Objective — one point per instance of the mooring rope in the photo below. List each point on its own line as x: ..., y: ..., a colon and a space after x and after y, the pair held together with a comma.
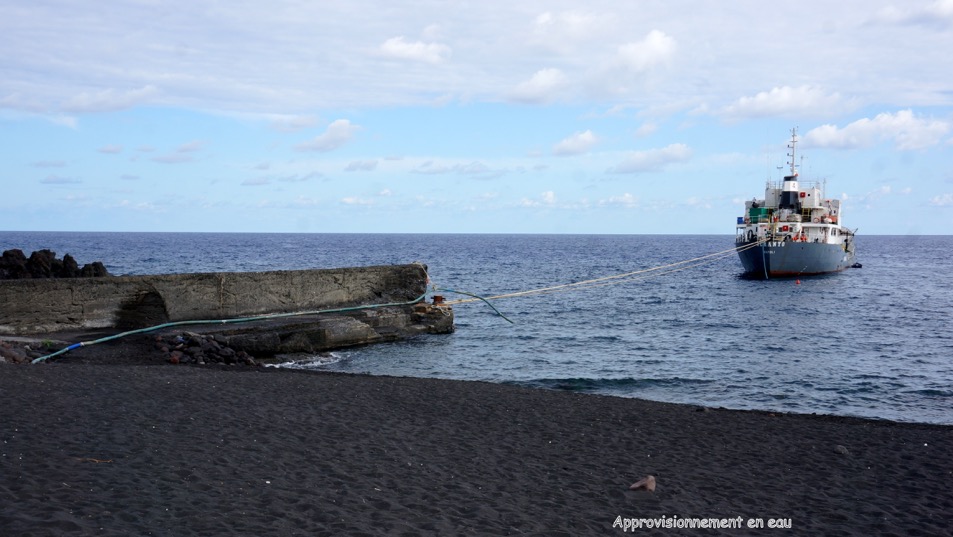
x: 595, y: 282
x: 610, y: 280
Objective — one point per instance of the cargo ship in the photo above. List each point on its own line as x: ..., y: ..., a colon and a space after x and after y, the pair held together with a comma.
x: 795, y: 230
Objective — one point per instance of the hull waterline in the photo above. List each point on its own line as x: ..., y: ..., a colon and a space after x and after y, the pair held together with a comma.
x: 781, y: 259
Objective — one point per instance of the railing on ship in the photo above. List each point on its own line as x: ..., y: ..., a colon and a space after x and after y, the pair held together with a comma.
x: 806, y: 217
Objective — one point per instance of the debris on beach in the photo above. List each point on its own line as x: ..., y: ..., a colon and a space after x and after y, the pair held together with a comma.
x: 646, y: 483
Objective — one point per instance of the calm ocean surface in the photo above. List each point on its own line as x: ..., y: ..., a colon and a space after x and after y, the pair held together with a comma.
x: 874, y: 342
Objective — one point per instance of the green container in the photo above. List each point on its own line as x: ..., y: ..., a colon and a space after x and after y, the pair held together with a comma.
x: 759, y: 215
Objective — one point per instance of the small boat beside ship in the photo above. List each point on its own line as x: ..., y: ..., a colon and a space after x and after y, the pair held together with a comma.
x: 795, y: 230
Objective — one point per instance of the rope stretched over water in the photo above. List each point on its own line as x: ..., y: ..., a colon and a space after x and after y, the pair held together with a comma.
x: 222, y: 321
x: 614, y: 279
x: 595, y: 282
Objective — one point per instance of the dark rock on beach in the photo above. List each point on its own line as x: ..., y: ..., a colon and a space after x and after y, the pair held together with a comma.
x: 16, y: 353
x: 200, y: 349
x: 14, y: 265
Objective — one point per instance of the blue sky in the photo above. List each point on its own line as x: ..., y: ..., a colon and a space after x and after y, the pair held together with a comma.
x: 496, y: 117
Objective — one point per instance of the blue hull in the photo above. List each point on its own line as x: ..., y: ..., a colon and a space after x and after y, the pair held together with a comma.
x: 787, y: 259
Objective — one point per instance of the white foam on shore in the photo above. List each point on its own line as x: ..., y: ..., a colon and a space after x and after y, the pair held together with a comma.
x: 306, y: 360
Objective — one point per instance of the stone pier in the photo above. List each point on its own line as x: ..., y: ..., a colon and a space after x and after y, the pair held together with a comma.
x: 54, y: 306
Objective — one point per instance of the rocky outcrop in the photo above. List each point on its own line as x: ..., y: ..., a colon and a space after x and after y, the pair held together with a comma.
x: 14, y: 265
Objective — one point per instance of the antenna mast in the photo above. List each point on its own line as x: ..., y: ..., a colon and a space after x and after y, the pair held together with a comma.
x: 792, y: 146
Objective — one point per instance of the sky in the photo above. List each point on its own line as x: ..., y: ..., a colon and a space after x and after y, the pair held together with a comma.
x: 425, y: 116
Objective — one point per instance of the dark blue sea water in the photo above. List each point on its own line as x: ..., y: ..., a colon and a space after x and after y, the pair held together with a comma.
x: 874, y: 342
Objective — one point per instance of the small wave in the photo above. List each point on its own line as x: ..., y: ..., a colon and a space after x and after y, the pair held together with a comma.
x: 606, y: 385
x: 609, y: 339
x: 306, y: 361
x: 932, y: 392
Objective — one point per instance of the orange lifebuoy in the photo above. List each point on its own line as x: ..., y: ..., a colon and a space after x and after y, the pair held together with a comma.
x: 816, y: 220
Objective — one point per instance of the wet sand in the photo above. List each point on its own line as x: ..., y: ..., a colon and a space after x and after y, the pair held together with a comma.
x: 96, y: 447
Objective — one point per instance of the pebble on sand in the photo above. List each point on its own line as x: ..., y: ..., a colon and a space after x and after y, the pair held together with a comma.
x: 646, y: 483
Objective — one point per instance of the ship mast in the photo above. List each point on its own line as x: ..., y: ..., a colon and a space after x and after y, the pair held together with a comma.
x: 789, y: 188
x: 793, y: 147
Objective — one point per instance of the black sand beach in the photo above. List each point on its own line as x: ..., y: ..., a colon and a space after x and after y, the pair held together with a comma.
x: 107, y: 442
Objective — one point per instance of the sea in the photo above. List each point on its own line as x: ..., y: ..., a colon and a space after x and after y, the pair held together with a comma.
x: 665, y: 317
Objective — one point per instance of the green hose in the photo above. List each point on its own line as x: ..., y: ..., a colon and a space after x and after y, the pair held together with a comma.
x: 479, y: 297
x: 224, y: 321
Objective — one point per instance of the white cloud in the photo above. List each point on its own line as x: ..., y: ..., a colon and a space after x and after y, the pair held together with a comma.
x: 338, y: 133
x: 361, y: 165
x: 786, y: 102
x: 108, y: 100
x: 904, y: 129
x: 65, y: 121
x: 191, y: 147
x: 562, y: 31
x: 111, y: 149
x: 49, y: 164
x: 292, y: 123
x: 937, y: 14
x: 653, y: 159
x: 474, y: 168
x: 142, y: 206
x: 543, y: 87
x: 300, y: 178
x: 289, y: 57
x: 353, y: 200
x: 305, y: 202
x: 181, y: 154
x: 656, y: 49
x: 576, y: 144
x: 547, y: 199
x: 943, y: 200
x: 698, y: 203
x: 625, y: 200
x: 173, y: 158
x: 399, y: 48
x: 880, y: 192
x: 646, y: 129
x: 59, y: 180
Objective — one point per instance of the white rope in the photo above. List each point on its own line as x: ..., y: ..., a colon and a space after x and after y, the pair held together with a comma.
x: 621, y: 278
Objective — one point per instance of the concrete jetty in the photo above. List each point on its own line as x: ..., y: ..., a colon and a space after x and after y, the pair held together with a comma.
x: 48, y: 306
